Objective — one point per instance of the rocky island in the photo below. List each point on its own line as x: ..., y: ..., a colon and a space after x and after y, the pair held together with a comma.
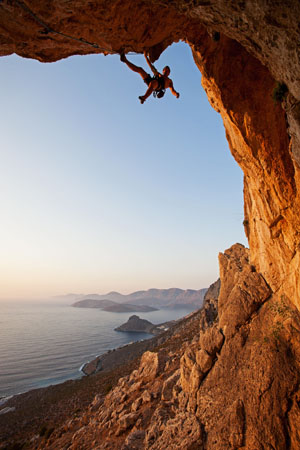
x: 137, y: 325
x: 111, y: 306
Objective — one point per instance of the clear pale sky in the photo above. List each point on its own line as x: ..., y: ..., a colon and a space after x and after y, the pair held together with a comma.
x: 101, y: 193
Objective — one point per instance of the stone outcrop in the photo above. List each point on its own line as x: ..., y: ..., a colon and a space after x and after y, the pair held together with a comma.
x: 242, y: 49
x: 234, y: 384
x: 138, y: 325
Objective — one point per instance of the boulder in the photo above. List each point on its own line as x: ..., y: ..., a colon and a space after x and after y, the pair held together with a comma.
x: 211, y: 340
x: 204, y: 360
x: 126, y: 421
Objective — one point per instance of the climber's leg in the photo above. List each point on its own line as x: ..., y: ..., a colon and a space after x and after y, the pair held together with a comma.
x: 133, y: 67
x: 151, y: 87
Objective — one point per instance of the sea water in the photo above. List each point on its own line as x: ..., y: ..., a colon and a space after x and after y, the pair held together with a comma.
x: 46, y: 343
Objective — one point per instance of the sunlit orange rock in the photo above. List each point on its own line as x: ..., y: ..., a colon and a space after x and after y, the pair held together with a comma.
x: 235, y: 387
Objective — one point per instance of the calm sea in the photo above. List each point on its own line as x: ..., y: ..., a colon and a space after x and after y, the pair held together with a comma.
x: 43, y: 344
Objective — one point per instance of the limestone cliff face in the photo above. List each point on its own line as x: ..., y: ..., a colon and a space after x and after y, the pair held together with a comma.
x: 241, y: 89
x: 233, y: 385
x: 259, y: 43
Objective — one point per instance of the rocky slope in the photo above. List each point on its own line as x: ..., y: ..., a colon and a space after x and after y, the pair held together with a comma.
x: 233, y: 384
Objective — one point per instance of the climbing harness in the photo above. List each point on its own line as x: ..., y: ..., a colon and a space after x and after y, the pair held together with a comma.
x: 159, y: 93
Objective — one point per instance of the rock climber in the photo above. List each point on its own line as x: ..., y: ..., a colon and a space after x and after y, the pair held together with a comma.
x: 157, y: 84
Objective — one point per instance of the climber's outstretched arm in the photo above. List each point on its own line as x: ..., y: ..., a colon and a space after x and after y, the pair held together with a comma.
x: 150, y: 64
x: 173, y: 90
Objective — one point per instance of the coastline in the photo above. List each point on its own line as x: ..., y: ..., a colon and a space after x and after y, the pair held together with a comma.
x: 102, y: 362
x: 4, y: 400
x: 110, y: 362
x: 41, y: 358
x: 116, y: 357
x: 53, y: 404
x: 127, y: 352
x: 25, y: 410
x: 106, y: 361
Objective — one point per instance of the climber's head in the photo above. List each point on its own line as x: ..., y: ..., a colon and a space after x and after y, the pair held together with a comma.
x: 166, y: 71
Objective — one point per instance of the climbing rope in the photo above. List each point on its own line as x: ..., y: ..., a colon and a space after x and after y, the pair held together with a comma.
x: 47, y: 29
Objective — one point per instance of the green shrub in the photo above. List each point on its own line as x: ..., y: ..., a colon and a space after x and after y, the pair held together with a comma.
x: 279, y: 92
x: 216, y: 36
x: 15, y: 446
x: 46, y: 432
x: 49, y: 432
x: 107, y: 388
x: 281, y: 308
x: 43, y: 430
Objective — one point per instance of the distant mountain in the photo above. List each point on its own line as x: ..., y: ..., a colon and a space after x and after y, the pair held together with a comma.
x: 157, y: 298
x: 92, y: 303
x: 113, y: 296
x: 109, y: 305
x: 168, y: 297
x: 127, y: 307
